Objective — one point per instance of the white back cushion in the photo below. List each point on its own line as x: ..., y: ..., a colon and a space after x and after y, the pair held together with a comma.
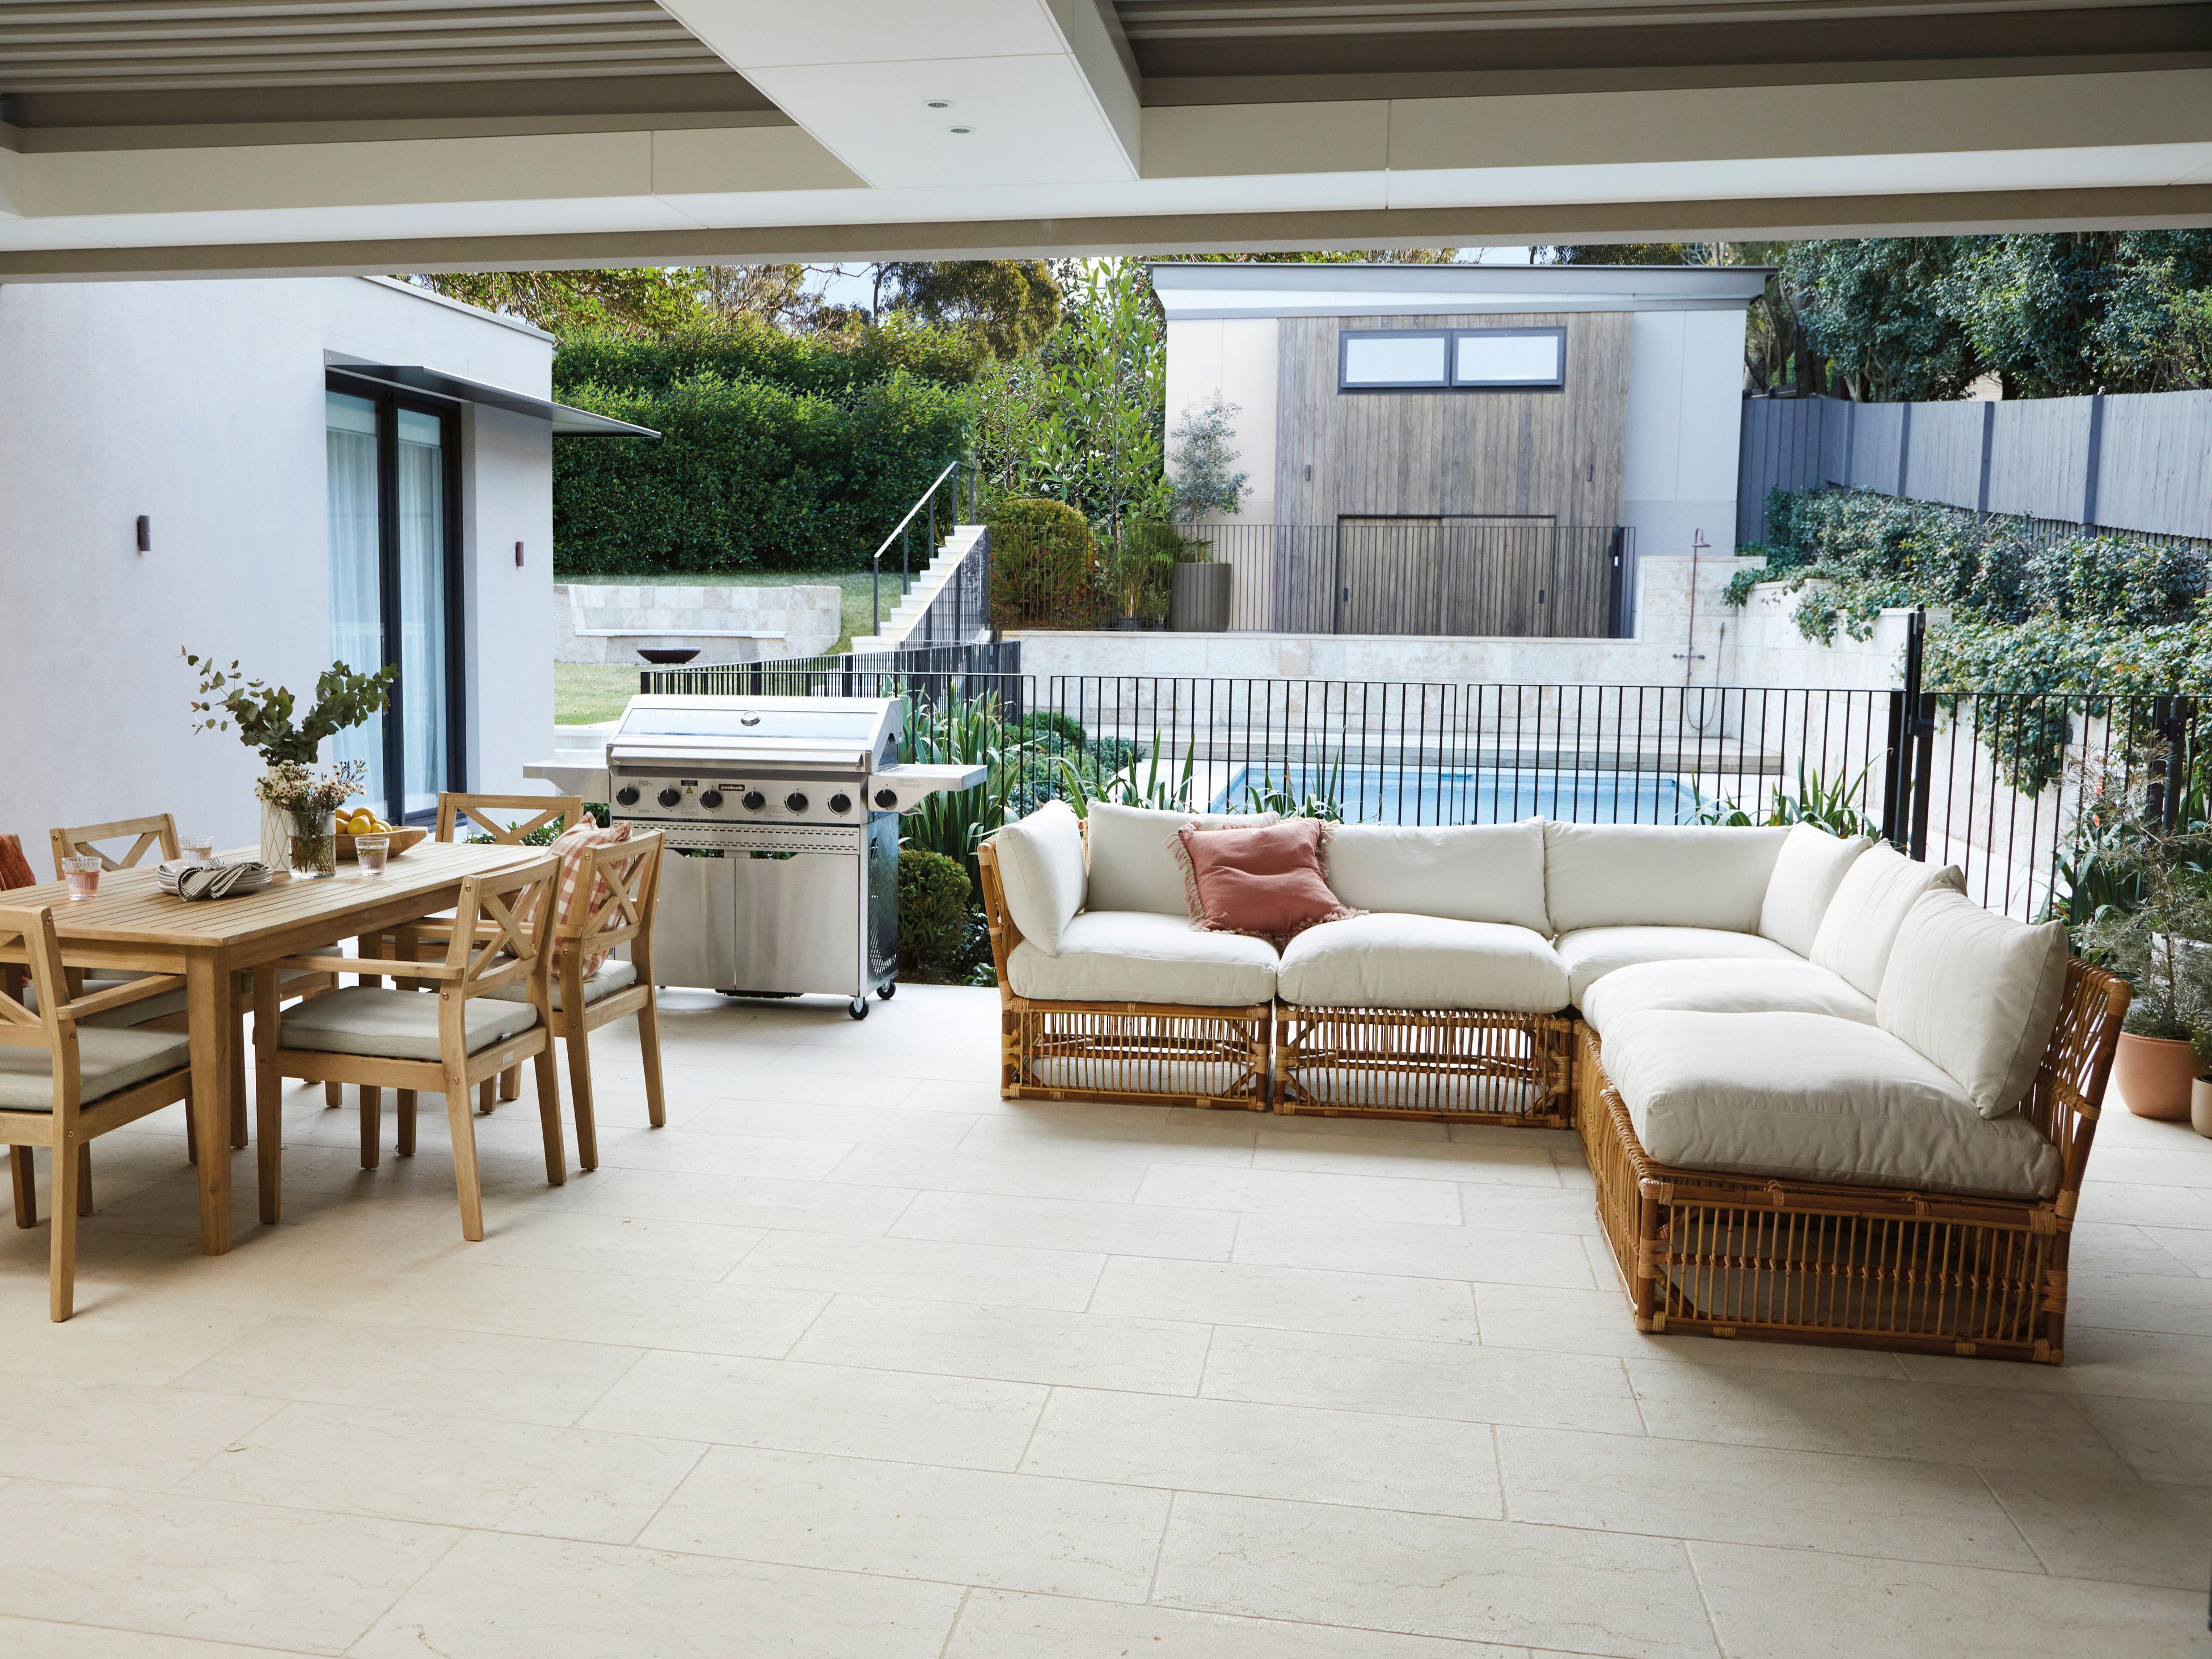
x: 1863, y: 919
x: 1655, y: 875
x: 1807, y: 873
x: 1470, y: 873
x: 1041, y: 872
x: 1131, y: 865
x: 1975, y: 992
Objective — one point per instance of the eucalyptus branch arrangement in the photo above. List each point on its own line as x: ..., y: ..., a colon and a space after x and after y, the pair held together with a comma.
x: 262, y: 712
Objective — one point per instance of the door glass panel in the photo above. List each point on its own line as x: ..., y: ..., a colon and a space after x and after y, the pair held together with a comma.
x: 356, y: 598
x: 424, y: 707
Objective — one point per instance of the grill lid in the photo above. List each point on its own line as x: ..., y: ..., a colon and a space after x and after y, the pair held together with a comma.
x: 848, y: 733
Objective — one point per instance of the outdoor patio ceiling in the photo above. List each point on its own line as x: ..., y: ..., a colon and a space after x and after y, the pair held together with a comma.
x: 177, y: 137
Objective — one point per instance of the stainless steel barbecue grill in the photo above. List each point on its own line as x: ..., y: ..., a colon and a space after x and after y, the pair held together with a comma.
x: 783, y: 813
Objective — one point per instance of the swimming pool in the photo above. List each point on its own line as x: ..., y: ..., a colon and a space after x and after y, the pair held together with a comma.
x: 1423, y: 795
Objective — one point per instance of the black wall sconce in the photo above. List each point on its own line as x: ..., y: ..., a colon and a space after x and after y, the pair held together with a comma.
x: 145, y: 533
x: 518, y: 556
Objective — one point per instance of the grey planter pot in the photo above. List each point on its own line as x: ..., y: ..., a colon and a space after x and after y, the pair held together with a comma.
x: 1199, y: 601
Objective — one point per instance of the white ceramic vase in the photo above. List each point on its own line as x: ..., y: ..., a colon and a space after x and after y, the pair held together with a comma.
x: 275, y: 835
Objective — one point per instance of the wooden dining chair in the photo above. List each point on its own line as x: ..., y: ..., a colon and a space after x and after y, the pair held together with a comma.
x: 617, y: 886
x: 63, y: 1082
x: 157, y: 832
x: 446, y: 1040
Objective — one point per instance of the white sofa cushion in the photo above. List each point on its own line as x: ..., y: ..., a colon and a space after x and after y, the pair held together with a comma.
x: 1812, y: 1098
x: 1040, y: 872
x: 1139, y: 956
x: 1591, y: 953
x: 1399, y: 961
x: 1657, y: 875
x: 1762, y: 985
x: 1809, y: 868
x: 1467, y: 873
x: 1132, y: 867
x: 1977, y: 992
x: 1870, y: 906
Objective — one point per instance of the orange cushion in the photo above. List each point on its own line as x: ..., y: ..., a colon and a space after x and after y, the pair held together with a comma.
x: 1265, y: 882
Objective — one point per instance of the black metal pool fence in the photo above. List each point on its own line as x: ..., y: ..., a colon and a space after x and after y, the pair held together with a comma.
x: 1991, y: 781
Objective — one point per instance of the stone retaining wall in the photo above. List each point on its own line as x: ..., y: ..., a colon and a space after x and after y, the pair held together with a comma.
x: 606, y: 623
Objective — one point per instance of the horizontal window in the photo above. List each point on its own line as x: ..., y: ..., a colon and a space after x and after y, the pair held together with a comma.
x: 1451, y: 359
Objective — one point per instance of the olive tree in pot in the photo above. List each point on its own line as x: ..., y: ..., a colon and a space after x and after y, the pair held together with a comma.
x: 2155, y: 931
x: 1203, y: 465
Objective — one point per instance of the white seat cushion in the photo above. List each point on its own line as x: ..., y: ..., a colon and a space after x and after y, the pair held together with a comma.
x: 1735, y: 985
x: 1132, y: 867
x: 1812, y: 1099
x: 615, y: 975
x: 1137, y: 956
x: 396, y: 1024
x: 1807, y: 873
x: 1040, y: 872
x: 108, y: 1062
x: 1657, y: 875
x: 1468, y: 872
x: 1977, y: 992
x: 152, y: 1008
x: 1393, y: 961
x: 1591, y: 953
x: 1870, y: 904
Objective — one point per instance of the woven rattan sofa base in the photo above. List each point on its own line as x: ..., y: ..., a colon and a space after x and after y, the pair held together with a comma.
x: 1856, y: 1267
x: 1455, y: 1064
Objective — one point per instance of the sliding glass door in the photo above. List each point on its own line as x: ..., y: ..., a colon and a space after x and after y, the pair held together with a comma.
x: 395, y: 587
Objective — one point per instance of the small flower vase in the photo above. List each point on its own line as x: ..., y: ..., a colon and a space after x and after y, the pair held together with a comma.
x: 275, y: 835
x: 312, y: 850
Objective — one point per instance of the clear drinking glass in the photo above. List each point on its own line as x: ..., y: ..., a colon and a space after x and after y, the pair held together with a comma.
x: 195, y: 849
x: 82, y: 876
x: 371, y: 852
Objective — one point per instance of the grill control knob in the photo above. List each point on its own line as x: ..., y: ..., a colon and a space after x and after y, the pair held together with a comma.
x: 671, y: 795
x: 886, y: 799
x: 795, y: 802
x: 754, y: 800
x: 627, y: 795
x: 711, y: 798
x: 841, y: 803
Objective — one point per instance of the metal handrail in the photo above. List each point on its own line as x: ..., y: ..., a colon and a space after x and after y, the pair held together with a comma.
x: 928, y: 498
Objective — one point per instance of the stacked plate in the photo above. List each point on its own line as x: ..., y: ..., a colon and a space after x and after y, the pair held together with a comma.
x: 250, y: 878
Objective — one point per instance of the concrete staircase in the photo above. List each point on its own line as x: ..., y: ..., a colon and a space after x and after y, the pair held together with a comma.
x: 905, y: 616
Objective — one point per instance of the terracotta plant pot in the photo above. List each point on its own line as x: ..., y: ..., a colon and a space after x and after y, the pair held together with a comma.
x: 2199, y: 1106
x: 2153, y: 1075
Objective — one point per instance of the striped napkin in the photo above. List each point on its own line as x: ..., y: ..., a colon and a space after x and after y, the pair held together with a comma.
x: 215, y: 881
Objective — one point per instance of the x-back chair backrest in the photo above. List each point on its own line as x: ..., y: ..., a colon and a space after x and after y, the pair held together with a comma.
x: 160, y: 830
x: 505, y: 819
x: 500, y: 928
x: 629, y: 871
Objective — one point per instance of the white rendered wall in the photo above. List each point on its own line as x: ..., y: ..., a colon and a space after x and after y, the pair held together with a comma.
x: 1684, y: 418
x: 200, y: 403
x: 1237, y: 358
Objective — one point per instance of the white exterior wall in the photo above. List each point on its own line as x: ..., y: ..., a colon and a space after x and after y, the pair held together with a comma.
x: 1238, y: 357
x: 201, y: 405
x: 1685, y: 421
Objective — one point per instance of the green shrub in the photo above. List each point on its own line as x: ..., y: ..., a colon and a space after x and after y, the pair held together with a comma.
x: 746, y: 475
x: 832, y: 365
x: 1046, y: 571
x: 934, y: 917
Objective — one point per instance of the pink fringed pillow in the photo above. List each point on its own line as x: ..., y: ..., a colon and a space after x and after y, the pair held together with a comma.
x: 1265, y: 882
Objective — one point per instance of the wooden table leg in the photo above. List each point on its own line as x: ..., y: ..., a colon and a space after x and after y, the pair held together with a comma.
x: 209, y: 1013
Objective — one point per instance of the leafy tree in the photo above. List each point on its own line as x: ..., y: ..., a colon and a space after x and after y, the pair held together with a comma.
x: 2060, y: 315
x: 1875, y: 309
x: 1011, y: 305
x: 1201, y: 459
x: 646, y: 300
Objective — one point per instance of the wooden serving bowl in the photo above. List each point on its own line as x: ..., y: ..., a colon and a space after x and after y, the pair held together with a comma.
x: 401, y: 841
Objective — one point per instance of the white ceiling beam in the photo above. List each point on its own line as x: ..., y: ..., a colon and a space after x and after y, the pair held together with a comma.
x: 959, y: 92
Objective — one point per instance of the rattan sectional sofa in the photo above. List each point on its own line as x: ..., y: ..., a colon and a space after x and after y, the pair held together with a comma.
x: 1824, y: 1096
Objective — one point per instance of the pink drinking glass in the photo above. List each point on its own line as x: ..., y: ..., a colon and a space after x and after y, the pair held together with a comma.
x: 82, y: 876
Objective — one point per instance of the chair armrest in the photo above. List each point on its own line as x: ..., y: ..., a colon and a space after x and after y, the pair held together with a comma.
x: 122, y: 996
x: 378, y: 965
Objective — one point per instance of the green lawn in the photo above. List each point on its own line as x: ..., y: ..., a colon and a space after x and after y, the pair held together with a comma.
x: 587, y: 693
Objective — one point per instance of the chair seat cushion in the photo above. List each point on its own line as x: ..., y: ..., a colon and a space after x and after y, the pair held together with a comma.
x: 169, y: 1002
x: 1138, y: 956
x: 1811, y: 1097
x: 1398, y: 961
x: 396, y: 1024
x: 1591, y: 953
x: 1754, y: 985
x: 615, y: 975
x: 108, y: 1062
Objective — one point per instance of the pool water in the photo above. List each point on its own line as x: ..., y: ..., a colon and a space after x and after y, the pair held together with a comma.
x: 1416, y: 795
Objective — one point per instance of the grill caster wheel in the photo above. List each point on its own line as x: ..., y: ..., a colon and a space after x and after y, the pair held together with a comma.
x: 888, y: 991
x: 858, y: 1008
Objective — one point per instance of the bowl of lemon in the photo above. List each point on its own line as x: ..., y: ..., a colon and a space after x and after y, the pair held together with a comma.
x: 363, y: 821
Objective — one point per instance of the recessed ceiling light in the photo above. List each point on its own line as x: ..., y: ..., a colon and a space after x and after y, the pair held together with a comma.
x: 940, y: 103
x: 960, y: 130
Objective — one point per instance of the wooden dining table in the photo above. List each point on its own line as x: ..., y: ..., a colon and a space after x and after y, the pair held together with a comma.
x: 131, y: 923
